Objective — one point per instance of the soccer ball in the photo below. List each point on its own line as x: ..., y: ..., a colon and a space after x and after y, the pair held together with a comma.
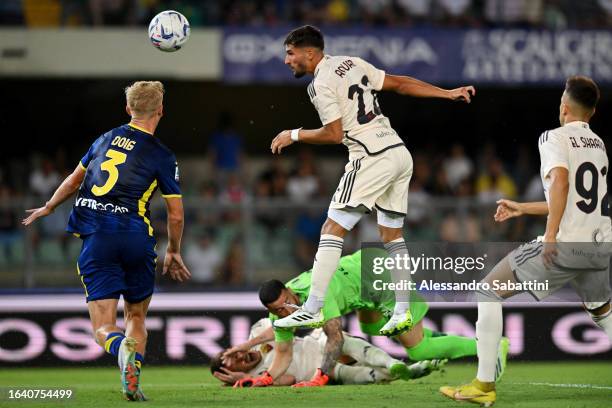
x: 169, y: 31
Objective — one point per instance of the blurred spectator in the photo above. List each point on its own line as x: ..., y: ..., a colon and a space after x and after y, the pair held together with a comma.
x: 44, y: 179
x: 304, y: 183
x: 418, y: 198
x: 534, y: 190
x: 209, y: 192
x: 462, y: 228
x: 208, y: 195
x: 524, y: 166
x: 440, y: 185
x: 513, y: 12
x: 11, y: 12
x: 203, y: 258
x: 377, y: 11
x: 553, y: 16
x: 417, y: 11
x: 271, y: 184
x: 606, y: 6
x: 308, y: 231
x: 268, y: 217
x: 225, y: 148
x: 338, y: 11
x: 457, y: 165
x: 113, y: 12
x: 455, y: 11
x: 52, y: 227
x: 276, y: 177
x: 9, y: 227
x: 584, y: 14
x: 232, y: 270
x: 303, y: 186
x: 465, y: 188
x: 494, y: 183
x: 232, y: 193
x: 75, y: 13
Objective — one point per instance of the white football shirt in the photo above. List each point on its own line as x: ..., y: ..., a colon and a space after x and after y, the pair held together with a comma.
x: 578, y: 149
x: 307, y: 352
x: 345, y: 88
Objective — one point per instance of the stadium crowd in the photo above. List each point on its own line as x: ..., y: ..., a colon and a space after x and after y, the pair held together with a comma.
x: 551, y: 14
x: 452, y: 196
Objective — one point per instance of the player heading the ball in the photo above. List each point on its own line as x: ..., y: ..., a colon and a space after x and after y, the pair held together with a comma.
x: 344, y: 92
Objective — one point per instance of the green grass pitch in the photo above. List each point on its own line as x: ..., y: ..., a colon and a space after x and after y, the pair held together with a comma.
x: 537, y: 385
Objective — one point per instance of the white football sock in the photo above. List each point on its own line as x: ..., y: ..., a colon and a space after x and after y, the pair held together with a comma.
x: 326, y: 262
x: 402, y: 297
x: 605, y: 322
x: 488, y: 334
x: 367, y: 354
x: 359, y: 375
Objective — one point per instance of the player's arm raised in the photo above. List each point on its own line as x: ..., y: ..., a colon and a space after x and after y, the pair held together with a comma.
x: 68, y: 187
x: 173, y: 262
x: 330, y: 133
x: 405, y: 85
x: 266, y: 336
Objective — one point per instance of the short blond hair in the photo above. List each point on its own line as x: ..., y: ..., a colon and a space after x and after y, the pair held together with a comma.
x: 144, y: 97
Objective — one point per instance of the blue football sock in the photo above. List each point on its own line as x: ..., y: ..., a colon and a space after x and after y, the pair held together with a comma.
x: 112, y: 343
x: 139, y: 360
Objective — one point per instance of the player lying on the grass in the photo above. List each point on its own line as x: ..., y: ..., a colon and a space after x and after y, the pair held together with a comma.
x: 360, y: 362
x: 573, y: 169
x: 116, y: 180
x: 343, y: 297
x: 344, y: 92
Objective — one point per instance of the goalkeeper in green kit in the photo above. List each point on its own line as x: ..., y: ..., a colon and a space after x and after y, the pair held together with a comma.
x: 343, y: 297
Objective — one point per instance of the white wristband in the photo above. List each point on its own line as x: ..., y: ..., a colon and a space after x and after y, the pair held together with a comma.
x: 295, y: 134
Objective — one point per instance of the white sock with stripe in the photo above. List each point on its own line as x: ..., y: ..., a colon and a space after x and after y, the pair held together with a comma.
x: 326, y: 262
x: 488, y: 334
x: 402, y: 296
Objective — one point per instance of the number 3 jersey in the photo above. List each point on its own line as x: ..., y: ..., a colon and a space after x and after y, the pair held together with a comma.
x: 579, y: 150
x: 125, y: 167
x: 345, y: 88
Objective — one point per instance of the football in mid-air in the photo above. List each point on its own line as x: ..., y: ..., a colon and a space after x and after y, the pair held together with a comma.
x: 169, y: 31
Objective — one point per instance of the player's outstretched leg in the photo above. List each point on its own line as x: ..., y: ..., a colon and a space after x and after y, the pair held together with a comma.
x: 325, y: 265
x: 492, y: 349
